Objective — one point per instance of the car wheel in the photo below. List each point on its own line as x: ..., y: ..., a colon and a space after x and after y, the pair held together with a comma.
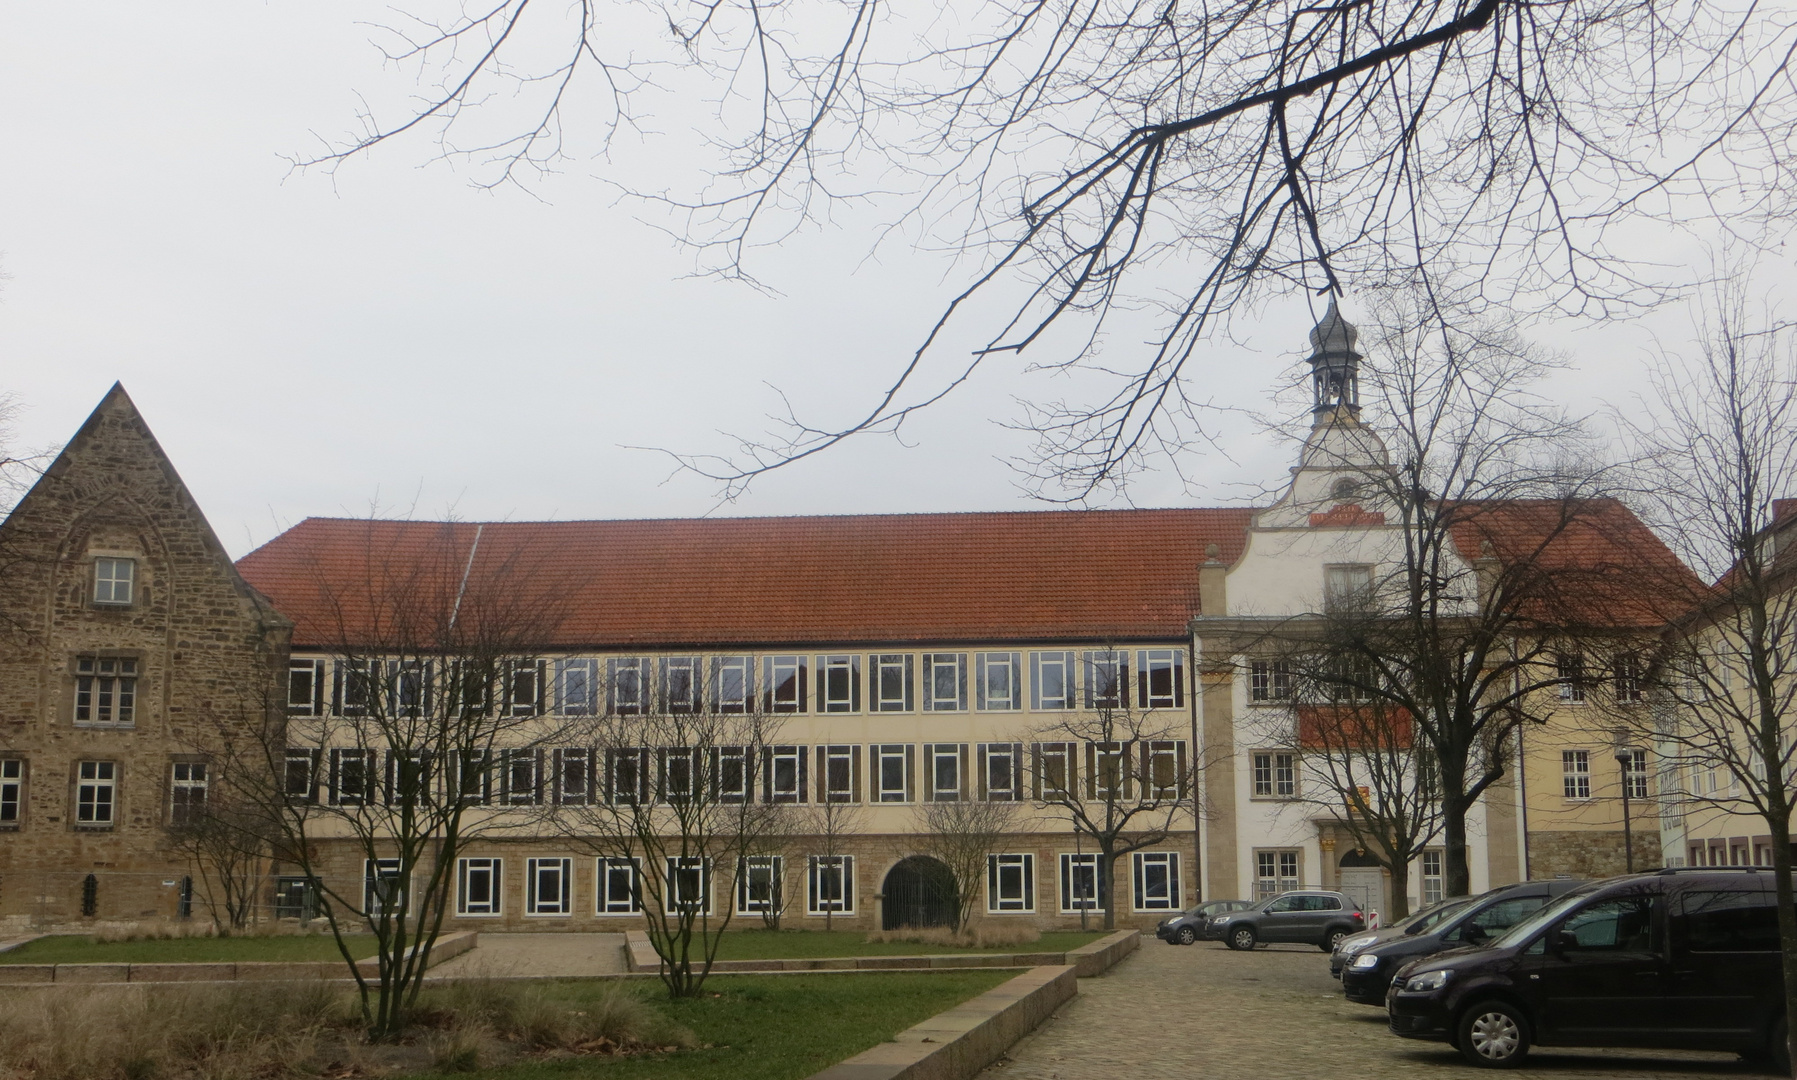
x: 1241, y: 939
x: 1333, y: 940
x: 1494, y: 1034
x: 1186, y: 935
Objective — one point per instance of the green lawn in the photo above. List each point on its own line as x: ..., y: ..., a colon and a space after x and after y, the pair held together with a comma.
x: 76, y: 949
x: 804, y: 944
x: 772, y: 1027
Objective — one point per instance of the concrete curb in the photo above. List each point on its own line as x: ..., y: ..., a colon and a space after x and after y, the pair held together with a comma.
x: 1090, y: 960
x: 1100, y: 956
x: 447, y: 947
x: 957, y: 1044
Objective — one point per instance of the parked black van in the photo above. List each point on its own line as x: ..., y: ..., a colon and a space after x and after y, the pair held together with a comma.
x: 1675, y: 959
x: 1477, y: 922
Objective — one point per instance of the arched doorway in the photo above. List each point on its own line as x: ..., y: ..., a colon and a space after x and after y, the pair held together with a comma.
x: 919, y: 892
x: 1363, y: 878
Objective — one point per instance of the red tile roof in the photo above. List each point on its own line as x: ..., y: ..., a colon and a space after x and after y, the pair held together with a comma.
x: 1094, y: 575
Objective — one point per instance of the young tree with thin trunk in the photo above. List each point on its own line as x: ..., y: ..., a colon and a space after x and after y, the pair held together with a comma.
x: 828, y: 824
x: 228, y: 843
x: 1720, y: 455
x: 961, y: 834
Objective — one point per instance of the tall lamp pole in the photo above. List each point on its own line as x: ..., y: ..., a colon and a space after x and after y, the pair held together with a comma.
x: 1625, y: 757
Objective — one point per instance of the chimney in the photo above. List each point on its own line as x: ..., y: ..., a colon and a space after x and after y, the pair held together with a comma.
x: 1213, y: 597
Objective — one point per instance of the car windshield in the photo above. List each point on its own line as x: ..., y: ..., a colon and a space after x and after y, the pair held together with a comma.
x: 1532, y: 925
x: 1429, y: 918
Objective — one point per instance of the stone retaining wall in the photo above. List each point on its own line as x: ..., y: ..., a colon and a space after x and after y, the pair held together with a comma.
x: 1089, y: 960
x: 447, y: 947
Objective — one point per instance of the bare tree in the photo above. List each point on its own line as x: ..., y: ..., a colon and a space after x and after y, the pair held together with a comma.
x: 229, y: 842
x: 1072, y: 150
x: 828, y: 824
x: 960, y: 834
x: 1720, y: 450
x: 421, y: 733
x: 685, y: 795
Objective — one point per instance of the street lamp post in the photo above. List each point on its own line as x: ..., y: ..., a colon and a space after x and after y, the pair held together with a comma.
x: 1625, y: 757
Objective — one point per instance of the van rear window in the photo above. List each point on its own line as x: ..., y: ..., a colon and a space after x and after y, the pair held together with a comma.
x: 1725, y: 920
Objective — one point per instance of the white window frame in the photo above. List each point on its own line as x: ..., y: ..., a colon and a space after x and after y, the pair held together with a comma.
x: 820, y: 871
x: 106, y: 691
x: 1173, y: 753
x: 521, y: 777
x: 1106, y: 673
x: 900, y: 755
x: 944, y: 682
x: 1153, y: 664
x: 1432, y: 862
x: 1635, y: 775
x: 1630, y: 682
x: 775, y: 787
x: 536, y: 871
x: 939, y: 757
x: 1277, y: 870
x: 354, y: 684
x: 115, y: 581
x: 1269, y: 681
x: 1108, y: 761
x: 627, y: 766
x: 1347, y: 586
x: 299, y: 777
x: 1059, y: 667
x: 310, y: 675
x: 577, y: 686
x: 375, y: 899
x: 1006, y: 756
x: 1080, y: 870
x: 479, y: 765
x: 732, y: 685
x: 1145, y: 868
x: 682, y: 685
x: 12, y: 792
x: 784, y: 682
x: 606, y: 872
x: 1569, y: 670
x: 1011, y: 884
x: 998, y: 671
x: 573, y: 763
x: 670, y: 763
x: 838, y: 762
x: 1274, y: 774
x: 341, y: 759
x: 674, y: 880
x: 521, y: 687
x: 1575, y: 774
x: 767, y: 869
x: 1045, y: 755
x: 726, y: 760
x: 467, y: 870
x: 629, y: 685
x: 187, y: 792
x: 839, y: 683
x: 889, y: 683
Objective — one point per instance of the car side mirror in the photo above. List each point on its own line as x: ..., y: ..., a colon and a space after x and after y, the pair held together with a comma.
x: 1474, y: 933
x: 1565, y: 941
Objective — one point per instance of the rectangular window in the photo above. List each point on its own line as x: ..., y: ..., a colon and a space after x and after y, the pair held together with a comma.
x: 1164, y: 768
x: 408, y: 780
x: 758, y: 885
x: 521, y: 687
x: 783, y: 774
x: 352, y: 686
x: 682, y: 687
x: 548, y: 886
x: 838, y: 772
x: 944, y: 763
x: 1051, y: 681
x: 352, y: 777
x: 300, y: 780
x: 1082, y: 883
x: 383, y: 890
x: 1001, y: 772
x: 732, y: 774
x: 474, y: 777
x: 523, y: 773
x: 620, y: 891
x: 305, y: 688
x: 1347, y: 588
x: 1274, y: 872
x: 784, y: 679
x: 1107, y: 679
x: 890, y: 674
x: 1432, y: 877
x: 1155, y: 884
x: 627, y: 685
x: 1635, y: 774
x: 945, y: 682
x: 113, y: 579
x: 1160, y: 678
x: 1575, y: 772
x: 627, y: 776
x: 12, y: 792
x: 296, y: 898
x: 1631, y: 679
x: 1269, y: 680
x: 1570, y: 671
x: 1107, y: 771
x: 1010, y: 883
x: 187, y: 793
x: 477, y: 887
x: 732, y: 684
x: 573, y: 776
x: 892, y: 773
x: 839, y: 683
x: 830, y: 885
x: 105, y: 691
x: 689, y: 884
x: 577, y: 687
x: 1275, y: 775
x: 676, y: 774
x: 1054, y: 770
x: 998, y: 680
x: 408, y: 688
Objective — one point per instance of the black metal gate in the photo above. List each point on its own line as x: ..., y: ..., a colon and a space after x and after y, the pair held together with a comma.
x: 919, y: 893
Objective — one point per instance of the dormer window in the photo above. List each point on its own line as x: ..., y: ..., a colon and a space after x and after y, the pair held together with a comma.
x: 114, y: 581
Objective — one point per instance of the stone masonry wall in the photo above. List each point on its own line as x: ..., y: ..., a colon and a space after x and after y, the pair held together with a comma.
x: 1590, y: 854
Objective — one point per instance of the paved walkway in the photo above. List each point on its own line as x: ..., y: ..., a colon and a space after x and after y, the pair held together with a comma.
x: 539, y: 954
x: 1205, y: 1012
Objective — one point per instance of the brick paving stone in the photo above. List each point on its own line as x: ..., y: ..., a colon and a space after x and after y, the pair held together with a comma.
x: 1205, y: 1013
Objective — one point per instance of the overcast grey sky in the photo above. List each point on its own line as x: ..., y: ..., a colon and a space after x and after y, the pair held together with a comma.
x: 305, y: 345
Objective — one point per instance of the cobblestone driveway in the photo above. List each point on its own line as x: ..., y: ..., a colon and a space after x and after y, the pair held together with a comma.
x: 1203, y: 1012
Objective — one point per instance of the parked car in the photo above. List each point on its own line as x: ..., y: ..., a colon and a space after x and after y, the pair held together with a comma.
x: 1194, y: 925
x: 1675, y: 959
x: 1416, y: 922
x: 1474, y: 923
x: 1306, y: 917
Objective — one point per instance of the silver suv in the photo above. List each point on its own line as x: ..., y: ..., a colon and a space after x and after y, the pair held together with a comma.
x: 1305, y: 917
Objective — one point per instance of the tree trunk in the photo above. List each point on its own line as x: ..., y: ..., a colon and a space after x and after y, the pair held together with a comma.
x: 1787, y: 918
x: 1400, y: 893
x: 1108, y: 864
x: 1456, y: 874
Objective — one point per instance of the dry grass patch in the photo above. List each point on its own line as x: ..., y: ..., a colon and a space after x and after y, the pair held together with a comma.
x: 972, y: 936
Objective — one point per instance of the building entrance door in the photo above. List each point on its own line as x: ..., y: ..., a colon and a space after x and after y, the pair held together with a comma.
x: 1363, y: 881
x: 919, y: 892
